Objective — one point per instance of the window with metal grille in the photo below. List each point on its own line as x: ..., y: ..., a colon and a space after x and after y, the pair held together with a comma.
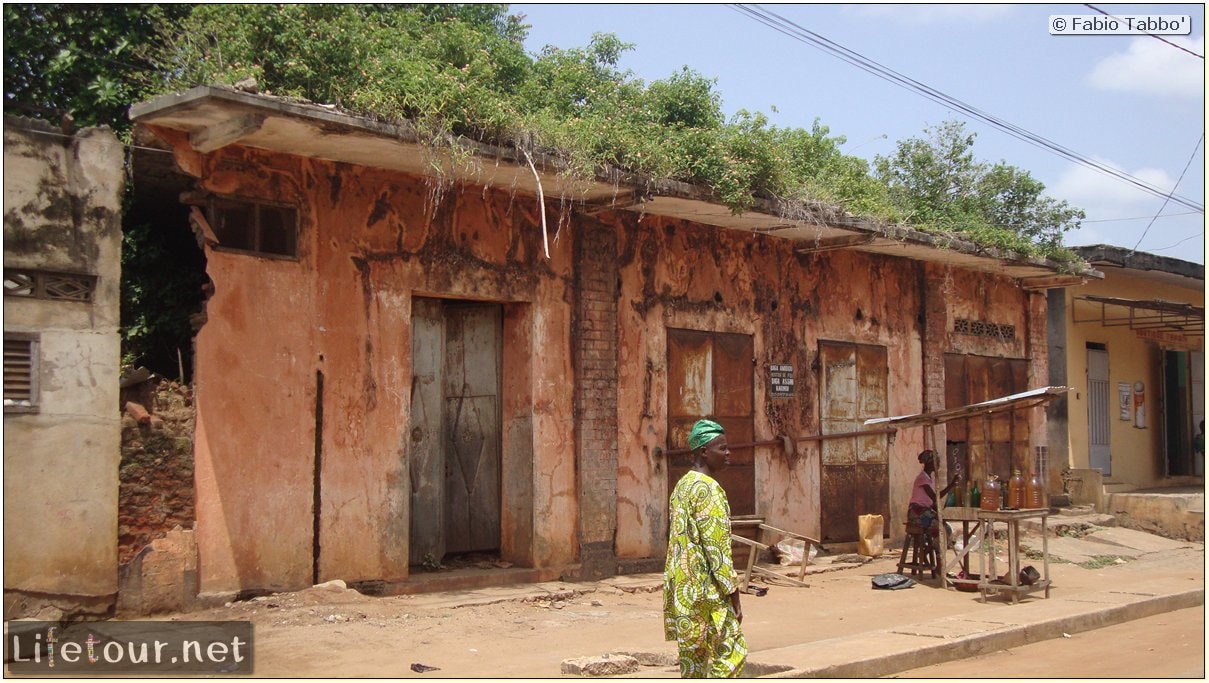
x: 20, y: 372
x: 255, y: 227
x: 43, y: 284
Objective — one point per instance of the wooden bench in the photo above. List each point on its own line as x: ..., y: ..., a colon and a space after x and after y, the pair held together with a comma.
x: 756, y: 536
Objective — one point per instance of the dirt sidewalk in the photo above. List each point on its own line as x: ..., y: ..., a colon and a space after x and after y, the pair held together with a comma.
x: 529, y: 630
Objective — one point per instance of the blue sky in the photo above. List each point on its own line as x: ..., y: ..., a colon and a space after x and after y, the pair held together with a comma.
x: 1130, y: 102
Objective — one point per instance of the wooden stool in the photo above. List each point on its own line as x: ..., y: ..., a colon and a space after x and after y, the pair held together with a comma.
x: 918, y: 543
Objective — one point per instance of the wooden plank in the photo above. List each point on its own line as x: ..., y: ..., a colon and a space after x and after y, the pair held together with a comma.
x: 873, y: 493
x: 839, y: 524
x: 689, y: 374
x: 955, y: 395
x: 425, y: 455
x: 733, y: 375
x: 473, y: 335
x: 872, y: 401
x: 838, y: 401
x: 711, y: 375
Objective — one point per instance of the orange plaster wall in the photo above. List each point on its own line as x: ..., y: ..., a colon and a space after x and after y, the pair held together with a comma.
x: 370, y: 240
x: 672, y: 275
x: 255, y: 427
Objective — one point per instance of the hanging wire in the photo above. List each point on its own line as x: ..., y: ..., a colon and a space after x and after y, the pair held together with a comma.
x: 783, y: 25
x: 1158, y: 38
x: 1177, y: 184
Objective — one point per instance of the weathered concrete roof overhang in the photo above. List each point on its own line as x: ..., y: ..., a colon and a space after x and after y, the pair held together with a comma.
x: 214, y: 117
x: 1161, y: 269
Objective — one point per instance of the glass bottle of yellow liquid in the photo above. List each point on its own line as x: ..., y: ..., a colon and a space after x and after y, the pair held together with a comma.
x: 1016, y: 490
x: 1034, y: 492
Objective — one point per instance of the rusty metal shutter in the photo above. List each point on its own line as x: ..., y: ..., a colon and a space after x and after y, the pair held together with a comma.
x: 855, y: 471
x: 710, y: 374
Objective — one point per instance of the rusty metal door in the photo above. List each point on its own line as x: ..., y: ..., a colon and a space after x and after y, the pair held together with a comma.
x: 983, y: 445
x: 455, y: 428
x: 855, y: 471
x: 711, y: 375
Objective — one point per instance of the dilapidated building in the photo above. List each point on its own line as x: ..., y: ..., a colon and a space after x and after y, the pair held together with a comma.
x: 392, y: 370
x: 62, y: 266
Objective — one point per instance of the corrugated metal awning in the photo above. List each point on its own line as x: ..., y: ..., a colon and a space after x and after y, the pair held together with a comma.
x: 1154, y: 314
x: 1021, y: 401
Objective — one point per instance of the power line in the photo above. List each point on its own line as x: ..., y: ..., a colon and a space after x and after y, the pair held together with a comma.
x: 1139, y: 218
x: 1177, y: 184
x: 782, y: 25
x: 1173, y: 246
x: 1158, y: 38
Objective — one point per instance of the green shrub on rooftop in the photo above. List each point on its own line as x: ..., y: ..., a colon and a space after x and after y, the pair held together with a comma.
x: 462, y: 71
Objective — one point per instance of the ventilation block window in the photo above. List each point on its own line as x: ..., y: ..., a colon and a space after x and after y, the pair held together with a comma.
x: 265, y: 229
x: 20, y: 373
x: 979, y: 328
x: 41, y: 284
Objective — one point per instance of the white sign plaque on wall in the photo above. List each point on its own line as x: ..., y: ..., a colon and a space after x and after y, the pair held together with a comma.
x: 1125, y: 392
x: 780, y: 381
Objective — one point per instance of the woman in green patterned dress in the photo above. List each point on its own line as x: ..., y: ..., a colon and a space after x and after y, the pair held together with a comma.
x: 701, y: 609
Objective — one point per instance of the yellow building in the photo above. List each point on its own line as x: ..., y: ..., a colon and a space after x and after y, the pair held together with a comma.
x: 1133, y: 345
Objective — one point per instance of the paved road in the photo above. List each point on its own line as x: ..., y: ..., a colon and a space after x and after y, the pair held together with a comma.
x: 1168, y: 645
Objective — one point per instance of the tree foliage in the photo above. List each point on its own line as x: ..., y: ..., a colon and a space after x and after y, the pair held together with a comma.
x: 462, y: 70
x: 936, y: 181
x: 89, y: 61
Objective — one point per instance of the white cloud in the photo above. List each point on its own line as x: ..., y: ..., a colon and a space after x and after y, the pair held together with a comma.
x: 1122, y: 214
x: 1103, y: 196
x: 923, y: 15
x: 1152, y: 67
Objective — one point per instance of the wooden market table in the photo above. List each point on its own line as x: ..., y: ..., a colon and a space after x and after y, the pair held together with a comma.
x: 967, y: 516
x: 989, y: 583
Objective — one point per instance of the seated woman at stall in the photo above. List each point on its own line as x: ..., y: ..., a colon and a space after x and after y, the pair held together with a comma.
x: 922, y: 510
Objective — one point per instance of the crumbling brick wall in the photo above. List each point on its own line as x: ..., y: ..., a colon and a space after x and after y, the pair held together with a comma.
x: 155, y: 492
x: 595, y: 349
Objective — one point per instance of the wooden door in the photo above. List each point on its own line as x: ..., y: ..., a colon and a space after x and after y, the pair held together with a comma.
x: 455, y: 428
x: 710, y: 375
x: 473, y: 334
x: 426, y: 454
x: 855, y: 471
x: 993, y: 444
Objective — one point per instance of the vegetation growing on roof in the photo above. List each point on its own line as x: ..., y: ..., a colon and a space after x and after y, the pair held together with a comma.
x: 462, y: 70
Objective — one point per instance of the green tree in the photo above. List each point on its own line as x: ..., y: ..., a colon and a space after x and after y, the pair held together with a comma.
x: 88, y: 61
x: 936, y: 181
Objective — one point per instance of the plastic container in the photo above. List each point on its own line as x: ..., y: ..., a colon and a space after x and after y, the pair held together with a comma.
x: 992, y: 498
x: 1015, y: 496
x: 1034, y: 492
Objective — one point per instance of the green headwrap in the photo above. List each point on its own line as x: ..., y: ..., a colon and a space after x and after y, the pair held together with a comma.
x: 704, y: 432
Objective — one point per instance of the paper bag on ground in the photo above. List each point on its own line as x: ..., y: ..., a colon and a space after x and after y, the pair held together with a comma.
x: 871, y: 541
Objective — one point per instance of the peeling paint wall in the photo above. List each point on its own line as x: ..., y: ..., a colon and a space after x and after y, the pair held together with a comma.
x: 62, y: 213
x: 369, y: 242
x: 373, y: 240
x: 681, y: 275
x: 676, y: 274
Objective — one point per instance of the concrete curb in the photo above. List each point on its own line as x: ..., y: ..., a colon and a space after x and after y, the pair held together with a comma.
x: 882, y: 653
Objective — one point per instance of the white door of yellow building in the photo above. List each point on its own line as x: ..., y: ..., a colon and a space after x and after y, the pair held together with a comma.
x: 1099, y: 457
